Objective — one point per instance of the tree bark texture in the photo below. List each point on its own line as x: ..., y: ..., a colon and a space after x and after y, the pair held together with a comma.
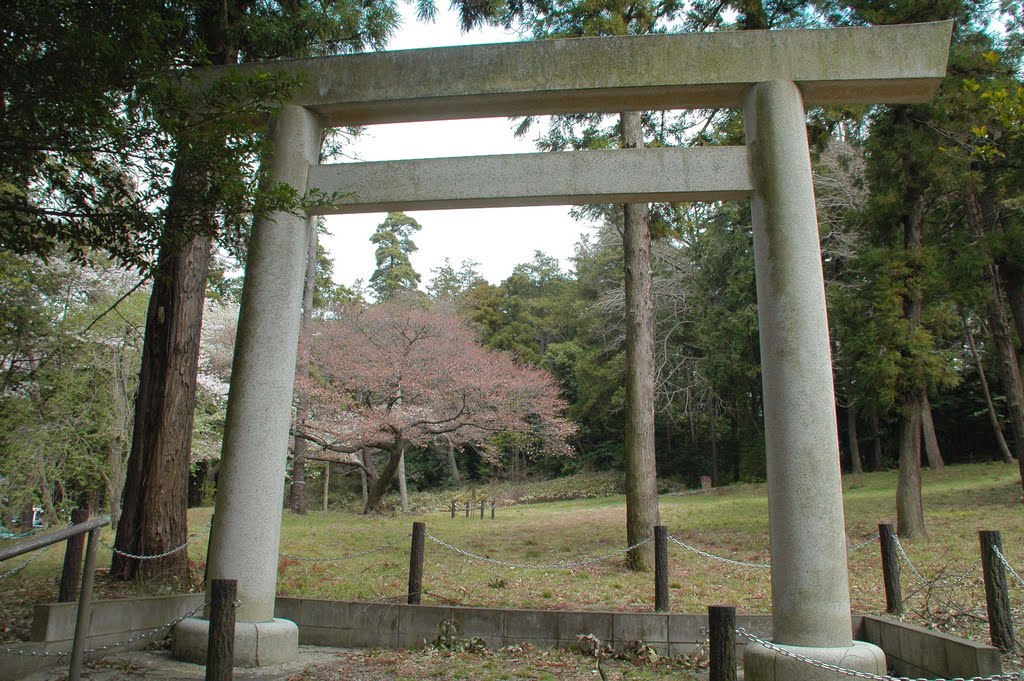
x: 297, y: 496
x: 155, y: 500
x: 993, y: 417
x: 403, y: 491
x: 856, y: 463
x: 931, y: 441
x: 384, y: 478
x: 876, y: 442
x: 153, y: 514
x: 641, y: 473
x: 909, y: 504
x: 456, y: 478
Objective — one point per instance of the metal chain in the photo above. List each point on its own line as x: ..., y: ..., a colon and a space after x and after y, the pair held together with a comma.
x: 528, y: 566
x: 858, y: 547
x: 314, y: 559
x: 133, y: 556
x: 1015, y: 676
x: 730, y: 561
x: 1007, y: 565
x: 14, y: 571
x: 110, y: 646
x: 936, y: 583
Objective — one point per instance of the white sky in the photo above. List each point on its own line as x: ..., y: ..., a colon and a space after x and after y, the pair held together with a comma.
x: 497, y: 238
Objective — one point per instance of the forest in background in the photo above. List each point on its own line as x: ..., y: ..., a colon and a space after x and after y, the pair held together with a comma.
x: 920, y: 209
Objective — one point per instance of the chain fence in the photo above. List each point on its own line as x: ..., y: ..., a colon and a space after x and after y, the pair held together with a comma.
x: 34, y: 556
x: 352, y: 556
x: 567, y: 565
x: 836, y: 669
x: 938, y: 582
x: 1009, y: 567
x: 722, y: 559
x: 864, y: 544
x: 132, y: 556
x: 110, y: 646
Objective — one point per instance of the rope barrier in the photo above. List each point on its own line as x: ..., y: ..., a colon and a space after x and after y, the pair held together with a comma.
x: 531, y: 566
x: 1015, y: 676
x: 133, y: 556
x: 110, y: 646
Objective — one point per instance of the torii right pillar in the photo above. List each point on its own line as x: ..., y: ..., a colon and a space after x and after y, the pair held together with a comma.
x: 810, y: 587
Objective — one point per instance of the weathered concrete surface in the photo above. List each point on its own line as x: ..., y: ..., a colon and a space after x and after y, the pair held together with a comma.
x: 762, y: 664
x: 676, y: 71
x: 257, y: 644
x: 810, y: 581
x: 606, y: 176
x: 247, y: 519
x: 919, y: 652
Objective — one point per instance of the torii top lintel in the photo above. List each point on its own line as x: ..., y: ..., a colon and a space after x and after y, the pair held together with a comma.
x: 862, y: 65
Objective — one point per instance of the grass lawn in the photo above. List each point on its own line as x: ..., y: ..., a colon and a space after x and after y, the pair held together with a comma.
x: 730, y: 522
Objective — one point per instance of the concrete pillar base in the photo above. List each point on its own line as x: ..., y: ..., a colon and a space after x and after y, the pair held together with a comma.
x: 257, y: 644
x: 765, y: 664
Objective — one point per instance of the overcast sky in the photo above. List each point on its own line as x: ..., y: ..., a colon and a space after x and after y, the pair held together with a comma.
x: 497, y: 238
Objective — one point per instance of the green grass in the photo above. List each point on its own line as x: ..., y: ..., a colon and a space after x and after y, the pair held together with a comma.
x: 731, y: 522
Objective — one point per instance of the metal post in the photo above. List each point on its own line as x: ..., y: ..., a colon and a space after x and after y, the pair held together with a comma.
x: 661, y: 597
x: 84, y: 607
x: 419, y: 531
x: 890, y: 569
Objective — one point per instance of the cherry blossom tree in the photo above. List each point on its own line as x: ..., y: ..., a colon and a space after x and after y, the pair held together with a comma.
x: 398, y: 375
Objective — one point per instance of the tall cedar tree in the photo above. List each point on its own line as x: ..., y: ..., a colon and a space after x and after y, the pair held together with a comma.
x: 154, y: 504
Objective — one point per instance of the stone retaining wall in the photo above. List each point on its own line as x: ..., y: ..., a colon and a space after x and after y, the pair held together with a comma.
x: 910, y: 650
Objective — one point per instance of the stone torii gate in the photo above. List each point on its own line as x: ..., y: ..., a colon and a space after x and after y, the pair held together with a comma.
x: 771, y: 75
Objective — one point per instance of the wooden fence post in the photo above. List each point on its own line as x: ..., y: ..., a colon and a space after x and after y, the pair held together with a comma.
x: 997, y: 595
x: 419, y: 532
x: 482, y: 502
x: 453, y: 508
x: 661, y: 568
x: 220, y: 646
x: 890, y: 570
x: 467, y: 509
x: 722, y: 642
x: 493, y: 504
x: 71, y: 574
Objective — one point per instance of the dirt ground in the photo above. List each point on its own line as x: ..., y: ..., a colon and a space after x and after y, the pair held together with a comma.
x: 330, y: 664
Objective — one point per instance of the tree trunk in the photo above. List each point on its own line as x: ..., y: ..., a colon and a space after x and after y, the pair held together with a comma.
x: 876, y: 441
x: 403, y: 492
x: 993, y: 417
x: 980, y: 214
x: 641, y: 475
x: 931, y: 441
x: 298, y: 488
x: 909, y: 504
x: 153, y: 513
x: 715, y: 475
x: 327, y: 483
x: 456, y: 478
x: 856, y: 464
x: 380, y: 485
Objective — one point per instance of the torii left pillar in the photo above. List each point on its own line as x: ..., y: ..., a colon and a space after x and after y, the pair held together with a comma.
x: 247, y: 519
